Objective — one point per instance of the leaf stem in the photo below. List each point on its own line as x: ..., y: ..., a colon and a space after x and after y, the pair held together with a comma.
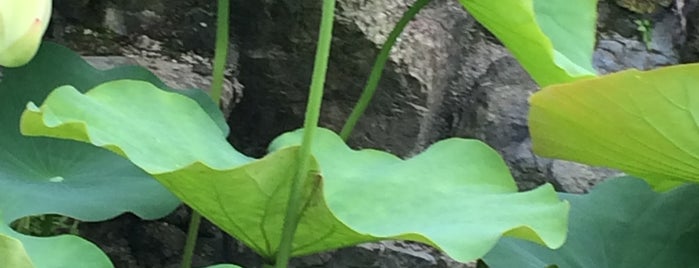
x: 377, y: 70
x: 221, y: 50
x: 192, y: 233
x: 315, y: 98
x: 220, y: 54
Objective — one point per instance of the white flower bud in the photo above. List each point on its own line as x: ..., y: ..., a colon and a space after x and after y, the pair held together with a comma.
x: 22, y: 25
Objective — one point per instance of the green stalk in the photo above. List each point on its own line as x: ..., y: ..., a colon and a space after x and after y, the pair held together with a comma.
x: 221, y: 49
x: 220, y: 53
x: 315, y: 98
x: 377, y: 70
x: 192, y: 233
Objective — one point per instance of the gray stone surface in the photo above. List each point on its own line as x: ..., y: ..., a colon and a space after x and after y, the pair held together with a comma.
x: 615, y: 52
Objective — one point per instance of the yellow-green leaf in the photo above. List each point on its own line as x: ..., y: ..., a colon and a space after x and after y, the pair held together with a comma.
x: 644, y: 123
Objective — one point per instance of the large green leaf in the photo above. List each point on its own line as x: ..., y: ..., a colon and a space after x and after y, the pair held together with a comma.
x: 552, y: 39
x: 457, y: 195
x: 621, y: 223
x: 644, y: 123
x: 48, y: 252
x: 41, y: 175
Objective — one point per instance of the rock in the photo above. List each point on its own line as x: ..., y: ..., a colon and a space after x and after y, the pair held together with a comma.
x: 426, y: 79
x: 644, y: 6
x: 690, y: 50
x: 618, y: 50
x: 615, y: 53
x: 497, y: 115
x: 388, y: 254
x: 578, y: 178
x: 114, y: 20
x: 146, y: 43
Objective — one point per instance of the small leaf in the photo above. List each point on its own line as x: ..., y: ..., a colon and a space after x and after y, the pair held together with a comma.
x: 621, y: 223
x: 644, y: 123
x: 458, y: 195
x: 552, y: 39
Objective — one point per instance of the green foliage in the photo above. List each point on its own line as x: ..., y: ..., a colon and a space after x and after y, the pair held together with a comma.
x: 645, y: 29
x: 43, y: 175
x: 643, y: 123
x: 40, y: 175
x: 552, y: 39
x: 621, y: 223
x: 353, y: 196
